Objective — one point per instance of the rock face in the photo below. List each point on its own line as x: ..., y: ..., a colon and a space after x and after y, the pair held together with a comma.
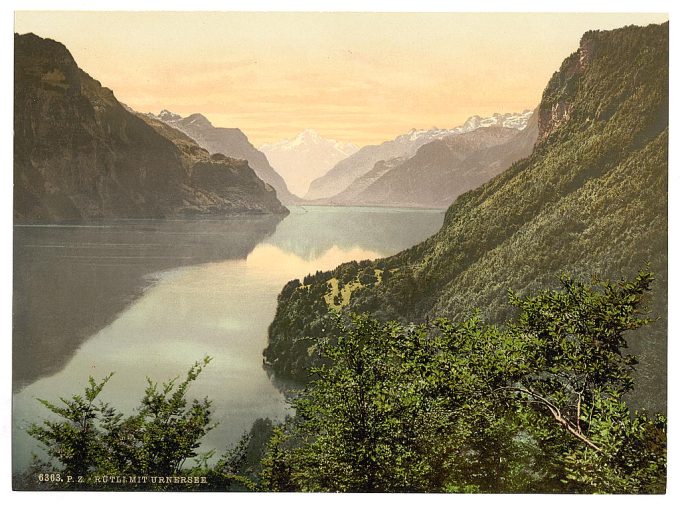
x: 214, y: 177
x: 306, y: 157
x: 443, y: 169
x: 355, y: 166
x: 590, y: 199
x: 231, y: 142
x: 80, y: 154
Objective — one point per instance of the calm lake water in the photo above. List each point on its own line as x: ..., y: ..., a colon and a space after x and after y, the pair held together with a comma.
x: 148, y: 298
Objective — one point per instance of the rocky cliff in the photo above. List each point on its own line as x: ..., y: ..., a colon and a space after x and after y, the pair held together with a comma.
x: 230, y: 141
x: 80, y: 154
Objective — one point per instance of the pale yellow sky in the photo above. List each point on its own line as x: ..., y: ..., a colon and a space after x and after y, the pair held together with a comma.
x: 357, y: 77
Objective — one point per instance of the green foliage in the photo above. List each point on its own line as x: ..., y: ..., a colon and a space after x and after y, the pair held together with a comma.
x: 75, y: 440
x: 573, y: 346
x: 591, y: 199
x: 276, y: 473
x: 366, y: 416
x: 537, y: 405
x: 90, y: 438
x: 633, y: 457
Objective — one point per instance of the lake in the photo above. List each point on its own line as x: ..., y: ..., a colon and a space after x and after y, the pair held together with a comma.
x: 148, y: 298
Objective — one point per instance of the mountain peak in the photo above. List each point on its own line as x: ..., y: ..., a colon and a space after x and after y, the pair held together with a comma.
x: 167, y: 114
x: 512, y: 120
x: 308, y: 136
x: 305, y: 157
x: 198, y: 120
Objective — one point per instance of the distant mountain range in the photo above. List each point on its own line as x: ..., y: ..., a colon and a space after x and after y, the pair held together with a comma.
x: 590, y: 199
x: 364, y: 160
x: 80, y: 154
x: 305, y: 158
x: 229, y: 141
x: 442, y: 169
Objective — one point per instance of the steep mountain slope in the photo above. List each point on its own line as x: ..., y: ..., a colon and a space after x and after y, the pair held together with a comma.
x: 346, y: 171
x: 208, y: 178
x: 306, y: 157
x: 79, y: 153
x: 443, y: 169
x: 228, y: 141
x: 360, y: 184
x: 590, y: 199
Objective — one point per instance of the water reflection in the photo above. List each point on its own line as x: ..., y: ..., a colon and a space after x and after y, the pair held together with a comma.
x: 72, y: 280
x: 309, y: 231
x: 219, y: 308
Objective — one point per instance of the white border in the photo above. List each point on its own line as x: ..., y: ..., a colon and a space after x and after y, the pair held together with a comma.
x: 110, y: 500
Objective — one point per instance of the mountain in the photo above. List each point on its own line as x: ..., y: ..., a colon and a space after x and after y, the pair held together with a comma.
x: 231, y: 142
x: 346, y: 171
x: 443, y: 169
x: 590, y: 199
x: 305, y: 158
x: 80, y: 154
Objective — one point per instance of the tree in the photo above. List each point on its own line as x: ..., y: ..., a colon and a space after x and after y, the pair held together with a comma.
x: 91, y: 438
x: 361, y: 424
x: 533, y: 406
x: 573, y: 347
x: 539, y: 404
x: 276, y: 474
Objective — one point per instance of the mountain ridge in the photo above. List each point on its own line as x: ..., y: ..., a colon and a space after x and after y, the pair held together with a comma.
x: 590, y: 199
x: 80, y: 154
x: 442, y: 169
x: 338, y: 178
x: 230, y: 141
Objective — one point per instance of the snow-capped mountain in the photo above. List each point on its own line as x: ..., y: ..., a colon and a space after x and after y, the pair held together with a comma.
x: 442, y: 169
x: 305, y: 158
x: 512, y: 120
x: 166, y: 116
x: 346, y: 171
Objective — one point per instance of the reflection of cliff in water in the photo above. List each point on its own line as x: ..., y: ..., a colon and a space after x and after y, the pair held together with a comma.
x: 70, y: 281
x: 290, y: 389
x: 348, y: 226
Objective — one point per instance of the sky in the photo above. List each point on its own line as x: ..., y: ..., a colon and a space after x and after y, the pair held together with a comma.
x: 535, y: 43
x: 355, y: 77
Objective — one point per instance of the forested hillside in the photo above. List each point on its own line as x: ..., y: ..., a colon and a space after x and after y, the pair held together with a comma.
x: 590, y: 199
x: 462, y: 407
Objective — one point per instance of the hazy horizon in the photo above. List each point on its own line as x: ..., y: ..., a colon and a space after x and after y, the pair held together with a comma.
x: 354, y: 77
